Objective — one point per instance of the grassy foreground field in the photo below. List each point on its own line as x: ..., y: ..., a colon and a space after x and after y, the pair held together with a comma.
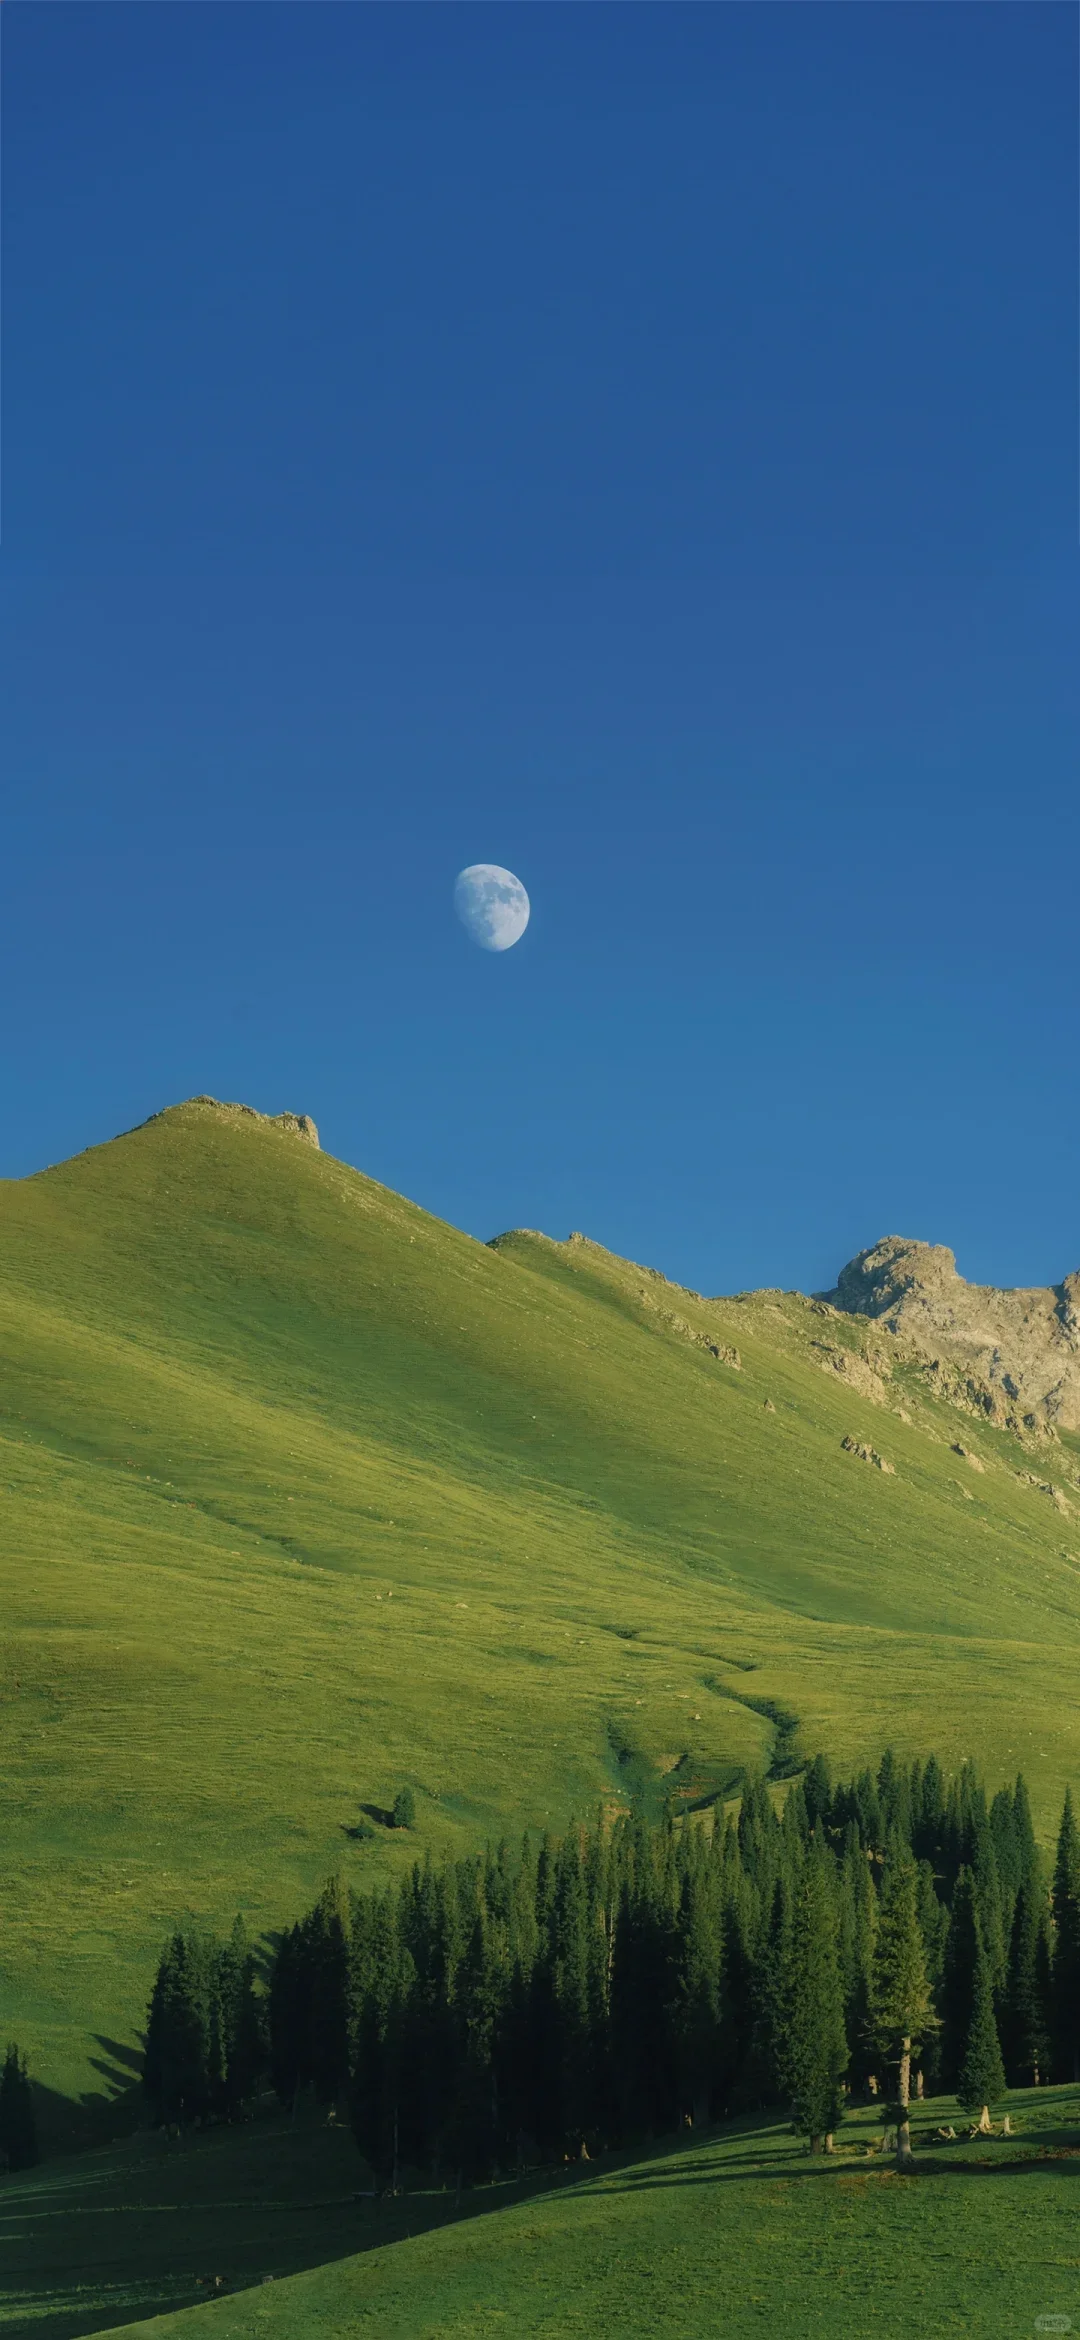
x: 307, y: 1497
x: 738, y: 2234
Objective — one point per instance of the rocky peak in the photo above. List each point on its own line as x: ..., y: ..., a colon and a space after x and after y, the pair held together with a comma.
x: 298, y: 1124
x: 1017, y: 1352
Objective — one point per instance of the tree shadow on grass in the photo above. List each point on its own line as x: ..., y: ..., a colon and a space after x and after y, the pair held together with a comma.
x: 123, y: 2053
x: 201, y: 2239
x: 1046, y: 2160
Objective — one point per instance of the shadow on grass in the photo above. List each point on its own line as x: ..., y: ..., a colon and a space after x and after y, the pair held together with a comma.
x: 1055, y: 2154
x: 130, y: 2234
x: 84, y: 2262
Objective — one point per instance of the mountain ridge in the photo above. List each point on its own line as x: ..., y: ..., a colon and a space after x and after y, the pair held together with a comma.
x: 307, y: 1496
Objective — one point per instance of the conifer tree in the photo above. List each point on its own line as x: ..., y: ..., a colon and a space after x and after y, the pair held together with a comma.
x: 982, y: 2076
x: 245, y: 2030
x: 815, y: 2046
x: 928, y: 1814
x: 1025, y: 1830
x: 934, y: 1927
x: 991, y: 1902
x: 326, y: 1950
x: 868, y: 1808
x: 958, y: 1978
x: 817, y: 1791
x: 1066, y: 1969
x: 1026, y: 2013
x: 772, y: 1993
x: 857, y: 1903
x: 697, y: 1994
x: 902, y: 2011
x: 289, y: 2017
x: 183, y: 2070
x: 571, y: 1975
x: 18, y: 2127
x: 736, y: 2081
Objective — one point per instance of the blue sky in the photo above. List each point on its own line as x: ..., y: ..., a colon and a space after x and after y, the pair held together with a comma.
x: 635, y: 445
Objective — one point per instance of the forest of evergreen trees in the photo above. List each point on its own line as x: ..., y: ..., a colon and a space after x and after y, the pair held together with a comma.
x: 881, y: 1935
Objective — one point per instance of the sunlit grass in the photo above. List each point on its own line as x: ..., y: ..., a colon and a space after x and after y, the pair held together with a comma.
x: 308, y: 1496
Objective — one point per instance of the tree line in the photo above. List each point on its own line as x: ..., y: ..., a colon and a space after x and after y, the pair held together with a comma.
x: 558, y: 1996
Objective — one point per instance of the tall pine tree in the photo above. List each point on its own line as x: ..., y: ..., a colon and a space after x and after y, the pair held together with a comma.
x: 982, y: 2076
x: 902, y: 2011
x: 815, y: 2044
x: 1066, y: 1971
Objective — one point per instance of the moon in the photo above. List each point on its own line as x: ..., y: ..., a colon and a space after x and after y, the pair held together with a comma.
x: 492, y: 905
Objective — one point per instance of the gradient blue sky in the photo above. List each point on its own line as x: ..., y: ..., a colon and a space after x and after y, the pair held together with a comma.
x: 637, y: 445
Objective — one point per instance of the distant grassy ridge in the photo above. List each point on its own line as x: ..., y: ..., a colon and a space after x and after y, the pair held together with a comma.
x: 308, y: 1497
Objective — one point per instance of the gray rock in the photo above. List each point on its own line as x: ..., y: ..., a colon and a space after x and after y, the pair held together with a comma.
x: 1011, y: 1356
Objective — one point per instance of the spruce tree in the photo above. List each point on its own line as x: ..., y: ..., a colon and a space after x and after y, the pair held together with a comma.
x: 858, y: 1925
x: 993, y: 1903
x: 815, y: 2053
x: 928, y: 1816
x: 1066, y: 1969
x: 697, y: 2023
x: 902, y: 2012
x: 958, y: 1978
x: 817, y: 1791
x: 982, y: 2076
x: 289, y: 2018
x: 183, y: 2069
x: 772, y: 1994
x: 18, y: 2128
x: 1026, y: 2012
x: 331, y: 2016
x: 571, y: 1976
x: 244, y: 2019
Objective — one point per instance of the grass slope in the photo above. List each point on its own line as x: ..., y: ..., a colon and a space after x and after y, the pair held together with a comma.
x: 308, y: 1496
x: 741, y: 2233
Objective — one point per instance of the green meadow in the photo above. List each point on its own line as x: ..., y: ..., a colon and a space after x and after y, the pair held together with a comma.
x: 309, y: 1497
x: 736, y: 2234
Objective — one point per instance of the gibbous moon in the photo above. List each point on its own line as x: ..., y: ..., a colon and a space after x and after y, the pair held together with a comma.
x: 492, y: 905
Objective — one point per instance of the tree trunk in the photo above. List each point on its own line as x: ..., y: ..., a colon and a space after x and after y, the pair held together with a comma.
x: 919, y: 2084
x: 985, y: 2129
x: 903, y: 2126
x: 829, y: 2145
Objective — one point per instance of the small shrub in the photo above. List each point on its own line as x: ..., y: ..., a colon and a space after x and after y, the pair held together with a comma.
x: 404, y: 1814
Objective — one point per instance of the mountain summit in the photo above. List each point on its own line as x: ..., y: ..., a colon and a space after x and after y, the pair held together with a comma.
x: 1019, y: 1350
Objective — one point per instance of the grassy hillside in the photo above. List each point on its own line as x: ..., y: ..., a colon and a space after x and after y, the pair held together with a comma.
x: 740, y: 2232
x: 308, y: 1496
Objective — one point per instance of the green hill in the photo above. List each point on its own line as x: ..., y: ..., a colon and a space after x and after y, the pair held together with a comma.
x: 740, y: 2232
x: 308, y: 1497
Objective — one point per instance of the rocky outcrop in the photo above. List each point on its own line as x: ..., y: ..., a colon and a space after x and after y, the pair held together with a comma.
x: 869, y: 1454
x: 298, y: 1124
x: 724, y: 1354
x: 1011, y: 1357
x: 855, y: 1371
